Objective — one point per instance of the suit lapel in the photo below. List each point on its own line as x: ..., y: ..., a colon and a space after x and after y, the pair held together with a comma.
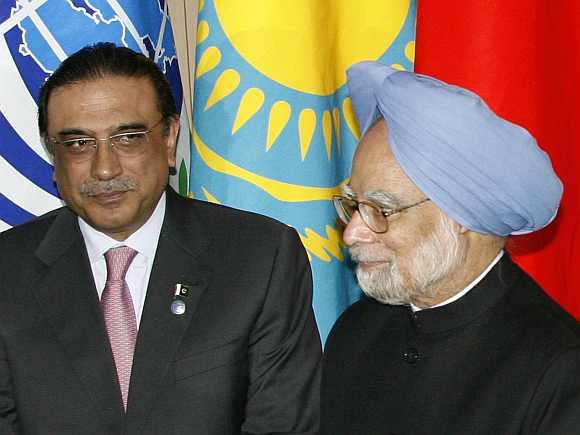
x: 66, y: 292
x: 177, y: 260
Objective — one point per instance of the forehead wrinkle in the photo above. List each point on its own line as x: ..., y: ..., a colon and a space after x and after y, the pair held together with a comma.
x: 96, y: 102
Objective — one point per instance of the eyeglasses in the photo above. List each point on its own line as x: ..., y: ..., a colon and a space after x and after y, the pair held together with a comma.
x: 126, y: 144
x: 374, y: 216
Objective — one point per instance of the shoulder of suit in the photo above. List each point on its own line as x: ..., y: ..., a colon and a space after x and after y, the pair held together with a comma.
x: 20, y: 244
x: 535, y: 308
x: 31, y: 231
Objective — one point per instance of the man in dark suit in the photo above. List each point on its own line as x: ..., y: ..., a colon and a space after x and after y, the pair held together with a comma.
x: 133, y: 310
x: 453, y: 338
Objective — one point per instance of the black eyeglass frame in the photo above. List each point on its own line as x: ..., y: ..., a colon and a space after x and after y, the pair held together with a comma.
x: 386, y: 212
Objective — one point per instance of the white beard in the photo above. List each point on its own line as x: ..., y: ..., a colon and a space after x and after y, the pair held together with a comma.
x: 433, y: 260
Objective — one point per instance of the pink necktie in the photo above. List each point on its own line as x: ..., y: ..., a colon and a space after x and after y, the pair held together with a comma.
x: 119, y: 314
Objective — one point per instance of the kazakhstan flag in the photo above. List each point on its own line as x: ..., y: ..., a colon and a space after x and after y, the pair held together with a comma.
x: 274, y: 130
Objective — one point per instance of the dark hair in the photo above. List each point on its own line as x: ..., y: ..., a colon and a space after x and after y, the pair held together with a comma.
x: 106, y: 59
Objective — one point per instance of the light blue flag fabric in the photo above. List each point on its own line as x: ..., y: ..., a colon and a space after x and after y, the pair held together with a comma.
x: 35, y: 36
x: 274, y: 130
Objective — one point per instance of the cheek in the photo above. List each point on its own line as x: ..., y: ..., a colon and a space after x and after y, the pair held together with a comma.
x: 408, y: 232
x: 147, y: 169
x: 68, y: 178
x: 402, y: 248
x: 150, y: 171
x: 393, y: 241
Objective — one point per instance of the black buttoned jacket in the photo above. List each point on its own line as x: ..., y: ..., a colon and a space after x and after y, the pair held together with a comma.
x: 504, y: 359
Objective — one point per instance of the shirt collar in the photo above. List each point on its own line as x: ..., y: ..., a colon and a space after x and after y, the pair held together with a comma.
x: 144, y: 240
x: 466, y: 289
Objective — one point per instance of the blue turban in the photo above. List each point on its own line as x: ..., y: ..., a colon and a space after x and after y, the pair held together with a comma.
x: 483, y: 171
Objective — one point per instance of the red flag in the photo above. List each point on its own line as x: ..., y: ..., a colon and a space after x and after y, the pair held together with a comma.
x: 523, y: 58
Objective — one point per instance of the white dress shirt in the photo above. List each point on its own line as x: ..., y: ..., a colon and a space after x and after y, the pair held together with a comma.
x: 144, y: 241
x: 466, y: 289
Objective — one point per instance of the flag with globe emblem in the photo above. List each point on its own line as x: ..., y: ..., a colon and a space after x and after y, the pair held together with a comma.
x: 274, y: 130
x: 35, y: 36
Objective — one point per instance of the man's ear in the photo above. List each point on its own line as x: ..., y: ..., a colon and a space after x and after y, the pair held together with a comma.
x: 50, y: 152
x: 171, y: 141
x: 49, y: 147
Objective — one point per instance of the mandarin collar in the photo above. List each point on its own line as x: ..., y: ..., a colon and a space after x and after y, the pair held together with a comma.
x: 486, y: 294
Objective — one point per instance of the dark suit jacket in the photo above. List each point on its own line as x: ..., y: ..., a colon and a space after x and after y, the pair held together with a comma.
x: 502, y: 360
x: 242, y: 359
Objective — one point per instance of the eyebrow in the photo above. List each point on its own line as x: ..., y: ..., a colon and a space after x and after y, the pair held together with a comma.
x: 72, y: 132
x: 380, y: 197
x: 118, y: 129
x: 383, y: 199
x: 132, y: 126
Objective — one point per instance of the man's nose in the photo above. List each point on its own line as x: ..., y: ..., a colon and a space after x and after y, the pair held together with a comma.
x: 358, y: 232
x: 106, y: 164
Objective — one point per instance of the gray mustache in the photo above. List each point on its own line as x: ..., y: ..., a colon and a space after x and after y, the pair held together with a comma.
x: 359, y: 254
x: 95, y: 188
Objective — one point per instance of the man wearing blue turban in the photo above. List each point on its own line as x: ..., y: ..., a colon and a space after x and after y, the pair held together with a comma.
x: 453, y: 338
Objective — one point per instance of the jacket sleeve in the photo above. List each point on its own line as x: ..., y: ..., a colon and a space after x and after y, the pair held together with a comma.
x: 285, y: 349
x: 8, y: 416
x: 555, y: 407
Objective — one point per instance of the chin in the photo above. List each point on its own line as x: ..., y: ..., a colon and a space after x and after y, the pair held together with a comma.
x: 383, y: 283
x: 110, y: 221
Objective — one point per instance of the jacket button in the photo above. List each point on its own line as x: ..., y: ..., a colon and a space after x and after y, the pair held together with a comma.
x: 416, y: 320
x: 411, y: 355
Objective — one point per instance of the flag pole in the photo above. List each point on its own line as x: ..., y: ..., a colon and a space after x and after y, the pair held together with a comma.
x: 183, y: 15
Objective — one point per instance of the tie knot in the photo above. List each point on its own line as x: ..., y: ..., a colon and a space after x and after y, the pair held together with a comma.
x: 118, y: 261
